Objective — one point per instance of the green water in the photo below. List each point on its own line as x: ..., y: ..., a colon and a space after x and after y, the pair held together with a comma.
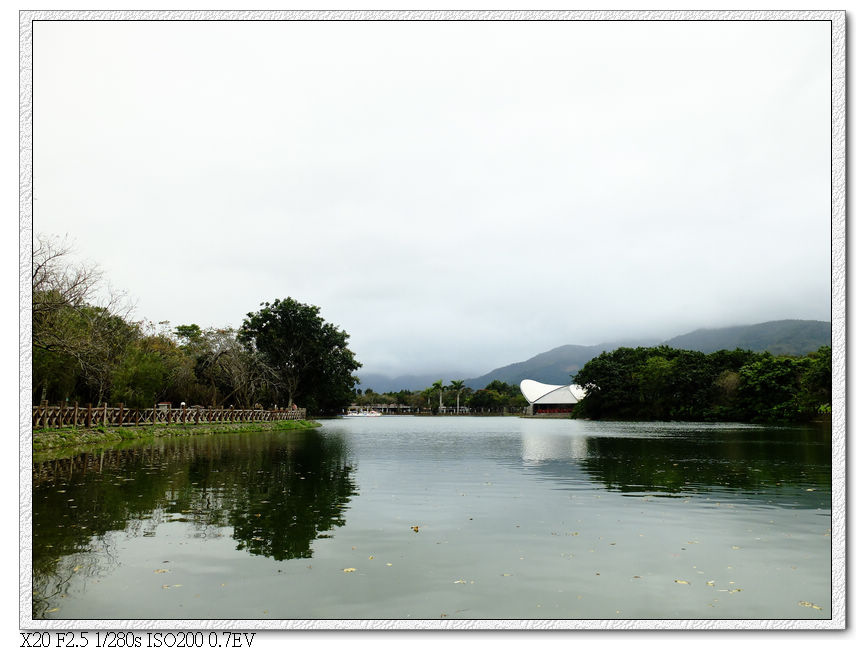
x: 515, y: 519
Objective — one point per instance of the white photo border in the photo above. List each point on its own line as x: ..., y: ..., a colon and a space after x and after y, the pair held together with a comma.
x: 837, y: 19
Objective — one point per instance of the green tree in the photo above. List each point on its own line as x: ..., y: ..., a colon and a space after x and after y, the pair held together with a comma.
x: 458, y: 386
x: 610, y: 382
x: 654, y: 378
x: 489, y: 400
x: 769, y: 388
x: 817, y: 381
x: 55, y: 376
x: 189, y: 334
x: 149, y: 369
x: 312, y: 363
x: 440, y: 387
x: 665, y: 383
x: 503, y: 388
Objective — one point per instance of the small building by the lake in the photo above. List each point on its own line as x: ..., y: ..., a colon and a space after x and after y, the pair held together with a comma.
x: 549, y: 400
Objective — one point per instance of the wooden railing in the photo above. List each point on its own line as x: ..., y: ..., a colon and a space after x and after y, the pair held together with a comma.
x: 46, y: 416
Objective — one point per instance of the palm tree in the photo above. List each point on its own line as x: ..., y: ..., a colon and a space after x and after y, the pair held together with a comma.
x: 439, y: 386
x: 459, y: 386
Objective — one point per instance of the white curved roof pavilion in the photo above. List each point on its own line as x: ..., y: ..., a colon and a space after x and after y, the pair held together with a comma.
x: 541, y: 397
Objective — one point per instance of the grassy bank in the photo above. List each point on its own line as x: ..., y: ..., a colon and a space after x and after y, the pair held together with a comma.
x: 48, y: 439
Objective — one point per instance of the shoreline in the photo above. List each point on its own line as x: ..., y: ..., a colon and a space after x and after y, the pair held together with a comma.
x: 51, y: 440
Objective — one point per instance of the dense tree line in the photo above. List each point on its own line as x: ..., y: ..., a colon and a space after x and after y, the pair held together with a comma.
x: 663, y: 383
x: 86, y: 348
x: 497, y: 397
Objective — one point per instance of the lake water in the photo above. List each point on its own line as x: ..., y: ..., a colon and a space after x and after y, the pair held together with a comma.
x: 448, y: 517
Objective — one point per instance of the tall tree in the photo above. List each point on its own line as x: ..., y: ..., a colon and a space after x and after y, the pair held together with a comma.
x: 458, y: 386
x: 311, y: 359
x: 439, y: 386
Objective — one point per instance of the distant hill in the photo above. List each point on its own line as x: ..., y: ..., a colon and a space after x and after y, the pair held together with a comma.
x: 793, y: 337
x: 385, y: 384
x: 557, y: 366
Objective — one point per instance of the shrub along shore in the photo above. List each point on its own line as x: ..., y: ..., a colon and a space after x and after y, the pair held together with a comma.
x: 50, y: 439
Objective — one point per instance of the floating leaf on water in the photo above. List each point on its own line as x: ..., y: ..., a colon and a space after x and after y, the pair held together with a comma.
x: 805, y: 603
x: 388, y: 564
x: 711, y: 583
x: 75, y: 569
x: 682, y: 582
x: 52, y: 610
x: 372, y: 557
x: 459, y: 582
x: 349, y: 570
x: 735, y: 548
x: 161, y: 571
x: 415, y: 528
x: 506, y: 575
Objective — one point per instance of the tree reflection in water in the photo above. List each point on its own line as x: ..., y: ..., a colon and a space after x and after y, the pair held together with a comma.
x: 745, y: 463
x: 276, y: 491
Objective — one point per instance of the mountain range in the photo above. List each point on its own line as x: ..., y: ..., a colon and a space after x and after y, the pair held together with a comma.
x: 557, y: 366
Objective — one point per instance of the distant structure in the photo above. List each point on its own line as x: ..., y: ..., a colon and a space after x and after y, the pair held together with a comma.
x: 545, y: 399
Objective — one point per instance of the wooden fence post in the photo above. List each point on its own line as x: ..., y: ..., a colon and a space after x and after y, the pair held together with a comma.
x: 75, y: 416
x: 184, y: 413
x: 44, y: 413
x: 120, y: 417
x: 89, y: 416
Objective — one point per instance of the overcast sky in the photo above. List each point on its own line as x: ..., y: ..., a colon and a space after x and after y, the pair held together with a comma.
x: 455, y: 195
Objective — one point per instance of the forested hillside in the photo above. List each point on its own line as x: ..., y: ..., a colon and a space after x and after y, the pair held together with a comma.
x: 791, y: 337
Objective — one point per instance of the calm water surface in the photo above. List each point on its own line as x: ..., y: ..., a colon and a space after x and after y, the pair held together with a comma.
x: 402, y: 517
